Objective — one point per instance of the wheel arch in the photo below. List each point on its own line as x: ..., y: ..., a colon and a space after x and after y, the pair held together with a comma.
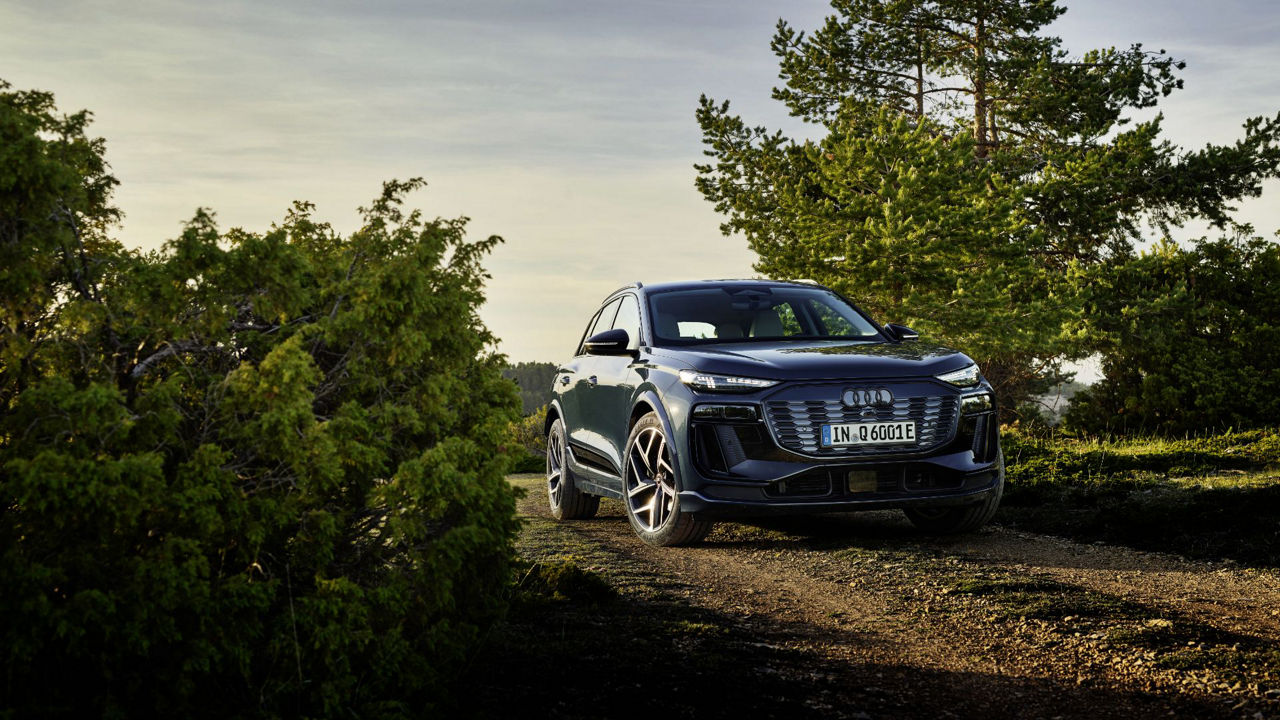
x: 649, y: 402
x: 640, y: 409
x: 553, y: 413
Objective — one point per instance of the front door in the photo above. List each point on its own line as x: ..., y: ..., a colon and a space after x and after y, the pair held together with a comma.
x: 610, y: 389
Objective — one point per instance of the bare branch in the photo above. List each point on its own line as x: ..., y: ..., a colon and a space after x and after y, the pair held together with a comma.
x: 168, y: 350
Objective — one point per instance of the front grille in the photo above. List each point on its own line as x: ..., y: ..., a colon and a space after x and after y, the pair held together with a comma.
x: 797, y: 423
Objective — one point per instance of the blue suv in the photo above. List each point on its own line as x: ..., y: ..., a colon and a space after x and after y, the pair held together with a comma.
x: 735, y: 398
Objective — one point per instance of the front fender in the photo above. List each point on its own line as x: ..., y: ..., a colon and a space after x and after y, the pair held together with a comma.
x: 554, y: 410
x: 671, y: 404
x: 650, y: 398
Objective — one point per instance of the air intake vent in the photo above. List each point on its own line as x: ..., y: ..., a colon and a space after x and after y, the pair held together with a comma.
x: 804, y: 485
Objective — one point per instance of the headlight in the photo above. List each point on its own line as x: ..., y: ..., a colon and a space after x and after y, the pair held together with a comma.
x: 975, y: 403
x: 964, y: 377
x: 723, y: 383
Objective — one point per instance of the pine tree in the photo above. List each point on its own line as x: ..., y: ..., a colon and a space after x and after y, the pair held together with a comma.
x: 1038, y: 165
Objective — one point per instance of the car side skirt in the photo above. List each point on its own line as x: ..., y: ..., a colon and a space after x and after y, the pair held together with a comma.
x: 593, y: 480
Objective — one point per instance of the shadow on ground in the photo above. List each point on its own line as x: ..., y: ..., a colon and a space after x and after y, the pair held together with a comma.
x: 660, y: 657
x: 1199, y: 522
x: 650, y: 650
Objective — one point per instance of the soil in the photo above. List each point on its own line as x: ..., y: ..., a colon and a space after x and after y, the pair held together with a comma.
x: 861, y: 616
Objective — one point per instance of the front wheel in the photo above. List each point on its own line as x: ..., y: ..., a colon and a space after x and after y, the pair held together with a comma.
x: 966, y: 518
x: 651, y: 489
x: 567, y: 501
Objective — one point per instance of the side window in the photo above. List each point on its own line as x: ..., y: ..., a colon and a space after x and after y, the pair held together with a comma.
x: 603, y: 321
x: 629, y: 319
x: 587, y: 333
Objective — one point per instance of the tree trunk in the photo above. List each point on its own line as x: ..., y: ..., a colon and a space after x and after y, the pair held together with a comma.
x: 980, y: 130
x: 919, y: 73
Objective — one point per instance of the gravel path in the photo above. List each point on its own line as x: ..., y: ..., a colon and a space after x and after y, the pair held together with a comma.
x: 859, y: 616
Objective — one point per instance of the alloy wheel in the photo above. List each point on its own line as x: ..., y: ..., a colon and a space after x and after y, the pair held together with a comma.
x: 651, y: 488
x: 555, y: 468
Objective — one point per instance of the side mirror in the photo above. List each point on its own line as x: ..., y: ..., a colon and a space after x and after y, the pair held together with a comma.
x: 609, y: 342
x: 902, y: 332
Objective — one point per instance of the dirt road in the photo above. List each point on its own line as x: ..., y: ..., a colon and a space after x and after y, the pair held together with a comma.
x: 859, y: 616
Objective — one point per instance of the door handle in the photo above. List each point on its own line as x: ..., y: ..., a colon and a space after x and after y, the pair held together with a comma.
x: 593, y: 380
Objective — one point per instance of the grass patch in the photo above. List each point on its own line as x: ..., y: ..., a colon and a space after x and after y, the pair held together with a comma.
x: 693, y: 628
x: 1047, y: 599
x: 1209, y: 497
x: 1256, y: 665
x: 563, y: 581
x: 1172, y: 635
x: 1057, y: 458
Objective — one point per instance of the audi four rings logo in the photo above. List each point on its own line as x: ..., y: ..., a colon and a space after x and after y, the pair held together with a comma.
x: 855, y: 397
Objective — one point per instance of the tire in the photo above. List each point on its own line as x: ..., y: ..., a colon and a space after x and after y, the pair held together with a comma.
x: 966, y: 518
x: 650, y: 489
x: 566, y: 500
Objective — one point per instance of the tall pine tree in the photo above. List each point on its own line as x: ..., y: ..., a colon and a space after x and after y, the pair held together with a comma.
x: 962, y: 160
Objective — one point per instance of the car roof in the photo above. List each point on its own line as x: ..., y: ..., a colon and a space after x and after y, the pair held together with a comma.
x: 702, y: 284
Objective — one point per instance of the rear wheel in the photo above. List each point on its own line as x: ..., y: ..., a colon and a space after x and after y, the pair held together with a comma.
x: 567, y: 501
x: 961, y: 519
x: 651, y: 489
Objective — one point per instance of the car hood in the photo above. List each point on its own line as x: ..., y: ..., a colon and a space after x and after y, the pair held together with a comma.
x: 818, y: 360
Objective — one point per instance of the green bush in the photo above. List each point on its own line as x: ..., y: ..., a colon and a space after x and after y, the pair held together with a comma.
x: 529, y: 437
x: 1189, y: 339
x: 249, y: 474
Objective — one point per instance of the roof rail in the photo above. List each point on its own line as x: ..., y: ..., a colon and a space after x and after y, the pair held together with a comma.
x: 625, y: 287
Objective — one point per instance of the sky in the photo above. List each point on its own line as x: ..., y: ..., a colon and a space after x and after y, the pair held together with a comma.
x: 565, y: 127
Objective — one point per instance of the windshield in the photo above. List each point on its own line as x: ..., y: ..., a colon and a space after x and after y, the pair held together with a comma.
x: 744, y: 313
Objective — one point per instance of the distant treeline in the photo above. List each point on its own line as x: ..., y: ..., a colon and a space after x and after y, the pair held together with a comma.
x: 534, y: 379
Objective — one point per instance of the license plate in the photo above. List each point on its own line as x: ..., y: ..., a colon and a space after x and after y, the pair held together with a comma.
x: 870, y: 433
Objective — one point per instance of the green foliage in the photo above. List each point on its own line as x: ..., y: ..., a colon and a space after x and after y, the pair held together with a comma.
x: 529, y: 437
x: 534, y: 380
x: 963, y: 162
x: 564, y: 581
x: 1055, y: 458
x: 1189, y: 339
x: 248, y: 474
x: 899, y: 216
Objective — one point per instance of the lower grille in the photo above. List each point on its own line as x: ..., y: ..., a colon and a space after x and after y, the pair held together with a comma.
x: 811, y: 485
x: 797, y: 423
x: 925, y: 481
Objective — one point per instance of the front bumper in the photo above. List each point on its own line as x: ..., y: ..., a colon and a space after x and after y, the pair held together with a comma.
x: 829, y: 494
x: 740, y: 467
